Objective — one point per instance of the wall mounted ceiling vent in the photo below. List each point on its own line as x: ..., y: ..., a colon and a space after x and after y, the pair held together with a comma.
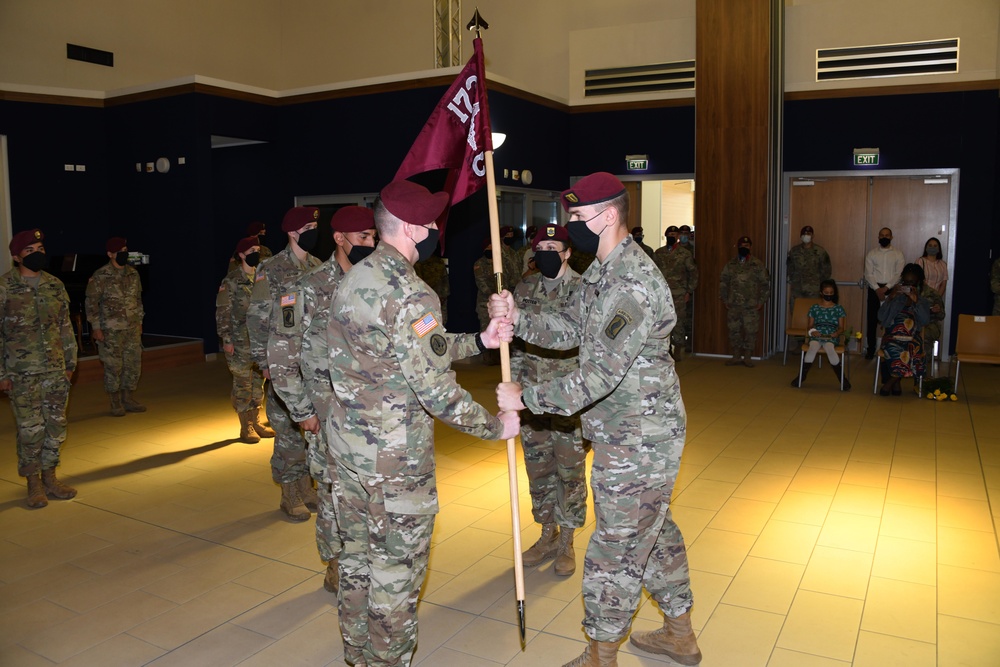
x: 677, y: 75
x: 883, y: 60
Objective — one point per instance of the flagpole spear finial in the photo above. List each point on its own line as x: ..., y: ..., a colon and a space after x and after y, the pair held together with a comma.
x: 477, y: 23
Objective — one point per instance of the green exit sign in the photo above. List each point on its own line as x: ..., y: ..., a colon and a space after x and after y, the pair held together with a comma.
x: 637, y: 162
x: 865, y: 157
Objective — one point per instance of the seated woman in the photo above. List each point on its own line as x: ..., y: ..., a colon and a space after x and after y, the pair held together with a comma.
x: 903, y: 315
x: 826, y: 326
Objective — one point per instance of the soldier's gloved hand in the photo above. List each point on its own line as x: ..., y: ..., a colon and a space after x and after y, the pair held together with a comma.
x: 499, y: 329
x: 509, y: 396
x: 502, y: 305
x: 311, y: 424
x: 6, y: 385
x: 511, y: 424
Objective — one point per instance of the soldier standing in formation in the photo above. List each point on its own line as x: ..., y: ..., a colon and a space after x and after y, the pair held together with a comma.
x: 37, y: 360
x: 637, y: 236
x: 434, y: 272
x: 114, y: 310
x: 554, y: 457
x: 390, y: 368
x: 254, y: 229
x: 634, y: 416
x: 231, y: 324
x: 744, y: 287
x: 298, y: 358
x: 681, y: 273
x: 807, y: 265
x: 274, y: 305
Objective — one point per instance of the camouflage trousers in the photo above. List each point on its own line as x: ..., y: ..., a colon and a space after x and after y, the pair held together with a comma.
x: 288, y: 460
x: 248, y: 383
x: 39, y: 404
x: 382, y: 566
x: 328, y: 540
x: 679, y: 334
x: 743, y: 323
x: 121, y: 356
x: 556, y: 463
x: 635, y: 542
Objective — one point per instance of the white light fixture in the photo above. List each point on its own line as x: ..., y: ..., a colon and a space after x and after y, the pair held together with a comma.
x: 498, y: 139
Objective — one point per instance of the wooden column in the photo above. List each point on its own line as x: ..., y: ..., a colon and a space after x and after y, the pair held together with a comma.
x: 734, y: 147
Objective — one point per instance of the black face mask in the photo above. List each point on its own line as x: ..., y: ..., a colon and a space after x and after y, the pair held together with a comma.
x: 744, y: 253
x: 36, y: 261
x: 582, y: 238
x: 548, y: 262
x: 252, y: 259
x: 671, y: 241
x: 121, y: 258
x: 509, y: 240
x: 358, y: 253
x: 884, y: 242
x: 638, y: 239
x: 828, y: 297
x: 426, y: 247
x: 307, y: 239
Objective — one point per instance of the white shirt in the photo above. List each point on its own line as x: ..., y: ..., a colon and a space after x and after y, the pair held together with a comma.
x: 883, y: 265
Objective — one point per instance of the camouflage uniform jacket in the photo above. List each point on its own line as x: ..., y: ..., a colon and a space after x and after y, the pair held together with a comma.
x: 265, y: 253
x: 231, y: 308
x: 434, y: 272
x: 621, y: 318
x: 36, y: 335
x: 807, y: 268
x: 678, y: 269
x: 537, y: 292
x: 745, y: 283
x: 272, y: 304
x: 114, y: 298
x: 390, y: 367
x: 297, y: 356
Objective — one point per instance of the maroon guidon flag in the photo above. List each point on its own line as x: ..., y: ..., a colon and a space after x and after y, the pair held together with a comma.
x: 456, y: 136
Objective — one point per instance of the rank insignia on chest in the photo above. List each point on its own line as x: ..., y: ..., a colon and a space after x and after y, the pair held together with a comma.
x: 424, y: 325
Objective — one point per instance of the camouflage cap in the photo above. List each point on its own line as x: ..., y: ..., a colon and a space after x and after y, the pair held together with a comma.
x: 593, y: 189
x: 412, y: 203
x: 550, y: 233
x: 353, y: 219
x: 298, y: 217
x: 255, y: 228
x: 23, y: 239
x: 115, y: 243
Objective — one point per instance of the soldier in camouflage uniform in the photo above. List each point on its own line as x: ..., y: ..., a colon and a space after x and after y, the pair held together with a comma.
x: 554, y: 457
x: 681, y: 273
x: 300, y: 372
x: 274, y: 305
x: 637, y: 236
x: 114, y: 310
x: 807, y: 265
x: 744, y: 287
x: 390, y: 368
x: 37, y: 359
x: 434, y: 272
x: 231, y: 324
x: 633, y: 414
x: 254, y: 229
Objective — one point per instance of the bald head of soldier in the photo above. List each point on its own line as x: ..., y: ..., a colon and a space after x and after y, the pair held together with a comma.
x: 406, y: 218
x: 598, y: 213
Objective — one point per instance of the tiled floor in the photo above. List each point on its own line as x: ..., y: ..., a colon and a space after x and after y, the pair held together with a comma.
x: 823, y: 529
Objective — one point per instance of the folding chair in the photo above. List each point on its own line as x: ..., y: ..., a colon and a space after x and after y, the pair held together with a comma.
x: 978, y: 341
x: 799, y: 324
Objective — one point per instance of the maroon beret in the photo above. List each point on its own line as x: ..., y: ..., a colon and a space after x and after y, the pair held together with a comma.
x: 550, y: 233
x: 23, y: 239
x: 412, y: 203
x: 744, y: 239
x: 487, y: 242
x: 115, y: 244
x: 505, y: 230
x: 298, y: 217
x: 353, y: 219
x: 255, y: 228
x: 245, y: 244
x: 594, y: 189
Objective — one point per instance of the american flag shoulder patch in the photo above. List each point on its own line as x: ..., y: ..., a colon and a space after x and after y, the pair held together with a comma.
x: 287, y: 300
x: 424, y: 325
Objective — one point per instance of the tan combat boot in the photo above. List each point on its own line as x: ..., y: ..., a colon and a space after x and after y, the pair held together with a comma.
x: 36, y: 492
x: 675, y: 639
x: 307, y: 492
x: 54, y: 488
x: 545, y: 548
x: 117, y: 409
x: 129, y: 402
x: 247, y: 432
x: 735, y: 361
x: 597, y: 654
x: 262, y: 431
x: 566, y: 560
x: 332, y: 580
x: 291, y: 503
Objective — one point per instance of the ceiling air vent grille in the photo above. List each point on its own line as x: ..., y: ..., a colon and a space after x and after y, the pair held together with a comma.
x: 640, y: 79
x: 872, y: 62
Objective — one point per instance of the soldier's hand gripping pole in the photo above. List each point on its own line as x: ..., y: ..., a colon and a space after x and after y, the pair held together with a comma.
x: 515, y: 514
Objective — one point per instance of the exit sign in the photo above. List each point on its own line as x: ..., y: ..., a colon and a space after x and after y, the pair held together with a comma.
x: 637, y: 162
x: 865, y: 157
